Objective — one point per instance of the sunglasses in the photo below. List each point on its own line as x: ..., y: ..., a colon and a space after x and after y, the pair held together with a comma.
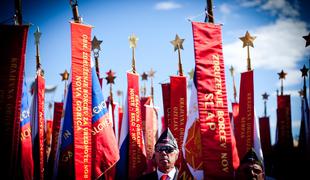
x: 166, y: 149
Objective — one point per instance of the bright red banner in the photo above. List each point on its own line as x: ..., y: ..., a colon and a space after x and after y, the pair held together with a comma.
x: 143, y: 102
x: 136, y: 159
x: 120, y: 118
x: 166, y: 105
x: 284, y: 138
x: 235, y: 111
x: 81, y: 99
x: 41, y: 123
x: 151, y: 118
x: 244, y: 127
x: 12, y: 50
x: 48, y: 135
x: 264, y: 129
x: 178, y: 106
x: 216, y: 133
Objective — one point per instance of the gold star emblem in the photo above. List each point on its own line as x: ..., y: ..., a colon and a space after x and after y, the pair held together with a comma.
x: 247, y: 39
x: 133, y: 41
x: 282, y: 74
x: 177, y: 43
x: 304, y: 71
x: 152, y: 73
x: 110, y: 78
x: 95, y: 44
x: 265, y: 96
x: 37, y: 36
x: 307, y: 38
x: 144, y: 76
x: 65, y: 75
x: 191, y: 74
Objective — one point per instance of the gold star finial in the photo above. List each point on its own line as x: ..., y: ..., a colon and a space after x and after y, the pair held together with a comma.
x: 133, y: 41
x: 265, y: 96
x: 110, y: 78
x: 65, y: 75
x: 307, y: 38
x: 282, y: 74
x: 144, y: 76
x: 247, y: 40
x: 304, y: 71
x: 95, y: 44
x: 37, y: 36
x: 177, y: 43
x: 152, y: 73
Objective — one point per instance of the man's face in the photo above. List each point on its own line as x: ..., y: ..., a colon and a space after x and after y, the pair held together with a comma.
x: 251, y: 171
x: 165, y: 156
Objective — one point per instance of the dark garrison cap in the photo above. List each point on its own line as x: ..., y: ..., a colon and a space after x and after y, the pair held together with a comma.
x: 167, y: 138
x: 251, y: 156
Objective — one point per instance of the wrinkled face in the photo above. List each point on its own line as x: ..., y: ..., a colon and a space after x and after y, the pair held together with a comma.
x: 165, y: 156
x: 251, y: 171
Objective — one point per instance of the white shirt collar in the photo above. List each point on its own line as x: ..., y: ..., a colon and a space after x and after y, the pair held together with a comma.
x: 170, y: 174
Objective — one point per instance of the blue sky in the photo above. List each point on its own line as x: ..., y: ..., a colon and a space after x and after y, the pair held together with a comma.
x: 278, y: 24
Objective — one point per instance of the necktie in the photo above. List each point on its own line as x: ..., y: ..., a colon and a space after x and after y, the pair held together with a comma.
x: 164, y: 177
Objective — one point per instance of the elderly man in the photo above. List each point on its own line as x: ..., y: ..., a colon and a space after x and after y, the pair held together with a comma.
x: 166, y: 154
x: 250, y: 167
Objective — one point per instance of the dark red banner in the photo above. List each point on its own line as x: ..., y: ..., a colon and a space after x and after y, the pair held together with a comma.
x: 264, y: 130
x: 41, y: 123
x: 81, y: 99
x: 12, y: 50
x: 284, y: 136
x: 216, y: 133
x: 136, y: 159
x: 58, y: 109
x: 178, y: 106
x: 144, y: 101
x: 244, y: 127
x: 166, y: 105
x: 120, y: 118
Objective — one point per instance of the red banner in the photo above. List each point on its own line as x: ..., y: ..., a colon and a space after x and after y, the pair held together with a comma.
x: 264, y: 129
x: 120, y: 118
x: 178, y: 106
x: 235, y: 111
x: 12, y: 49
x: 143, y: 102
x: 284, y: 136
x: 166, y: 105
x: 151, y: 118
x: 58, y: 109
x: 48, y: 142
x: 81, y: 99
x: 244, y: 127
x: 41, y: 124
x: 136, y: 159
x: 216, y: 133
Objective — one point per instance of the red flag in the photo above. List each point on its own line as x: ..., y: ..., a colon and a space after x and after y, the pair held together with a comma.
x: 58, y: 108
x: 244, y: 127
x: 166, y: 105
x: 38, y: 127
x: 12, y: 49
x: 151, y: 118
x: 216, y: 133
x: 120, y: 118
x: 137, y: 159
x: 26, y: 160
x: 144, y: 101
x: 49, y: 127
x: 81, y: 99
x: 284, y: 138
x: 264, y: 129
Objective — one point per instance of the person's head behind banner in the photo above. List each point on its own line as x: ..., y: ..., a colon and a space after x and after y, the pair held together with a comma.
x: 166, y: 151
x: 250, y: 167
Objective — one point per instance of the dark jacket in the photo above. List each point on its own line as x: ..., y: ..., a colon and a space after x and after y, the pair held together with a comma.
x: 153, y: 176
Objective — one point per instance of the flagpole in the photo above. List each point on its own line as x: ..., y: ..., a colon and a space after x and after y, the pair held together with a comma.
x: 232, y: 72
x: 37, y: 36
x: 177, y: 43
x: 18, y: 19
x: 96, y: 48
x: 133, y: 44
x: 265, y: 98
x: 75, y: 11
x: 65, y: 77
x: 151, y: 75
x: 304, y: 72
x: 209, y: 10
x: 247, y: 40
x: 282, y: 75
